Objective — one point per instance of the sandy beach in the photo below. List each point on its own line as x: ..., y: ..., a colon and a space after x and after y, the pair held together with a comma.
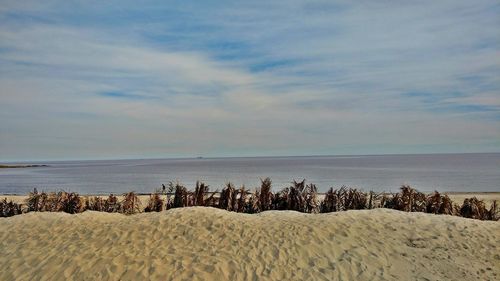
x: 209, y: 244
x: 249, y: 140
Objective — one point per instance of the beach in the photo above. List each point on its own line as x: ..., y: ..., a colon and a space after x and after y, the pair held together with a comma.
x: 249, y: 140
x: 200, y: 243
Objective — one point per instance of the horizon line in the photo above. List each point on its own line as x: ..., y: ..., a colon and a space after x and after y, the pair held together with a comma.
x: 200, y: 157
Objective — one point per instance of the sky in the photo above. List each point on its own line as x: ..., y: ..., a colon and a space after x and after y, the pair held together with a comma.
x: 160, y: 79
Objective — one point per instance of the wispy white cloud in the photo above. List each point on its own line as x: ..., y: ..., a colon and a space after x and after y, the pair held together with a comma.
x: 180, y: 79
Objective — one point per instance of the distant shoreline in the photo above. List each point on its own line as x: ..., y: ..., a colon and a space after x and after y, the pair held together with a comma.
x: 21, y: 166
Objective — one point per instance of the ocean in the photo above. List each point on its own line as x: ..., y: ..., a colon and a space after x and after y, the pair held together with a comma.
x: 475, y: 172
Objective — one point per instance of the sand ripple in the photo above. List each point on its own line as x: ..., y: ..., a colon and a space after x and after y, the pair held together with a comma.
x: 210, y: 244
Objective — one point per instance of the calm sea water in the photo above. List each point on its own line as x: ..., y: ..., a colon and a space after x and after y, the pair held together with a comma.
x: 445, y: 172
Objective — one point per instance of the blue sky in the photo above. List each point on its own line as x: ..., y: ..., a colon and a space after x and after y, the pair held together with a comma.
x: 123, y: 79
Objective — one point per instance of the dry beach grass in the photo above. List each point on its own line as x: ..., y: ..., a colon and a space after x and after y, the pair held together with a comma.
x: 299, y: 197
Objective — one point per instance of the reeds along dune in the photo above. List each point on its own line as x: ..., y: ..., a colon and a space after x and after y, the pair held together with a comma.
x: 299, y: 196
x: 199, y: 243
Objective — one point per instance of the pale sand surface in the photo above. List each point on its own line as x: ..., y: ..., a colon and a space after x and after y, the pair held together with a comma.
x: 209, y: 244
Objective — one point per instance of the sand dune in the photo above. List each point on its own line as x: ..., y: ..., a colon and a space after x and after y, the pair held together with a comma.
x: 210, y: 244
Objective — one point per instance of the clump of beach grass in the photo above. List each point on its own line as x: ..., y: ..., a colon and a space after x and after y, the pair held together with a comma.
x: 242, y: 199
x: 130, y: 203
x: 180, y: 197
x: 298, y: 197
x: 343, y: 199
x: 331, y: 201
x: 311, y: 198
x: 201, y: 197
x: 111, y: 204
x: 354, y: 199
x: 281, y: 199
x: 200, y: 193
x: 475, y: 209
x: 9, y: 209
x: 69, y: 202
x: 253, y: 205
x: 228, y: 198
x: 408, y: 200
x: 96, y: 203
x: 439, y: 204
x: 155, y: 203
x: 36, y: 201
x: 494, y: 212
x: 265, y: 195
x: 296, y: 200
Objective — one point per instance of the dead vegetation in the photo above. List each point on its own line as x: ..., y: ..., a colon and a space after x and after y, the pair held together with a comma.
x: 61, y: 201
x: 96, y: 203
x: 130, y: 204
x: 353, y: 199
x: 494, y: 212
x: 228, y: 198
x: 476, y: 209
x: 36, y: 201
x: 345, y: 199
x: 72, y: 203
x: 9, y: 209
x: 242, y: 200
x: 265, y: 195
x: 253, y: 205
x: 111, y: 204
x: 200, y: 194
x: 439, y: 204
x: 299, y: 196
x: 280, y: 199
x: 155, y: 203
x: 180, y: 197
x: 408, y: 200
